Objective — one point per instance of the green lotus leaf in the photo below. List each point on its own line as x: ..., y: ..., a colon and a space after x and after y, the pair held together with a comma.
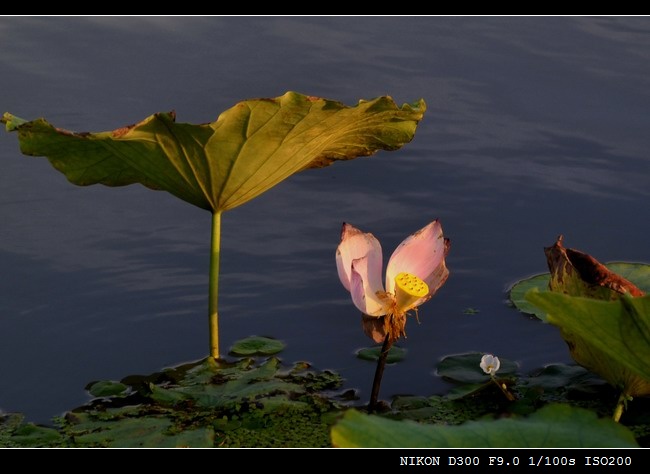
x: 107, y: 388
x: 217, y: 166
x: 553, y: 426
x: 606, y: 339
x: 395, y: 354
x: 567, y: 377
x: 31, y: 435
x: 148, y: 432
x: 257, y: 345
x: 614, y: 336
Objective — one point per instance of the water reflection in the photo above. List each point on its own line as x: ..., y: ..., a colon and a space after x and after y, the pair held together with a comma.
x: 535, y: 127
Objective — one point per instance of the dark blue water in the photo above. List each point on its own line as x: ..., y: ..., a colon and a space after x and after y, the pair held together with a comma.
x: 535, y: 127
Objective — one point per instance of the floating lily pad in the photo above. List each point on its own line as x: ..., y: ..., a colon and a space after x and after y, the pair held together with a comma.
x: 518, y: 292
x: 467, y: 389
x: 564, y: 376
x: 553, y: 426
x: 145, y: 432
x: 31, y: 435
x: 395, y: 354
x: 465, y: 368
x: 257, y: 345
x: 107, y: 388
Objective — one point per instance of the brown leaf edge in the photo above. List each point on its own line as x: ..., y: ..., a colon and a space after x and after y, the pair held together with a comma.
x: 590, y: 270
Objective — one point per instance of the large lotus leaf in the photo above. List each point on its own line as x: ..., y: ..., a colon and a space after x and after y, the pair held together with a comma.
x: 577, y: 274
x: 217, y: 166
x: 553, y: 426
x: 616, y: 333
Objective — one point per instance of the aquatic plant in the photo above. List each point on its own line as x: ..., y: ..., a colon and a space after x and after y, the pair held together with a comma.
x: 221, y: 165
x: 415, y: 271
x: 603, y: 316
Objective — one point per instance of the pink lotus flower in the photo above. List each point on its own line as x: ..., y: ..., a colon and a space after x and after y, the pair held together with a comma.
x: 415, y: 271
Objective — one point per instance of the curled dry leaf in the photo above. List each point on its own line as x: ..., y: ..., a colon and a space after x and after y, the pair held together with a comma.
x: 579, y: 274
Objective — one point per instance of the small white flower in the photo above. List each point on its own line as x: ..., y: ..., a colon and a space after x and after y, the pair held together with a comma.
x: 490, y: 364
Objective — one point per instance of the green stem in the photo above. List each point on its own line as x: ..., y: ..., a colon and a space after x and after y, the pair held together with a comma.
x: 215, y: 254
x: 620, y: 407
x: 379, y: 373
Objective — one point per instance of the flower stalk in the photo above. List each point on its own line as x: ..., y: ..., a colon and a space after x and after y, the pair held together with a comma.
x: 215, y: 259
x: 379, y: 373
x: 621, y: 405
x: 490, y: 365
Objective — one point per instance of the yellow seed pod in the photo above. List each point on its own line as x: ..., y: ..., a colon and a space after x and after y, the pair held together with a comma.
x: 409, y: 289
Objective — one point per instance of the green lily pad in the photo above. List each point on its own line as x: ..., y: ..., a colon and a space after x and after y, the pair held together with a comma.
x: 465, y: 368
x: 146, y: 432
x: 232, y: 389
x: 246, y: 403
x: 556, y: 376
x: 395, y: 354
x: 467, y: 389
x: 518, y: 292
x: 31, y: 435
x: 107, y: 388
x: 553, y: 426
x: 10, y: 421
x: 207, y: 369
x: 257, y: 345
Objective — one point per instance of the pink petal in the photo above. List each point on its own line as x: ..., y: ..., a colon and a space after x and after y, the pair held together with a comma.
x: 354, y: 245
x: 436, y: 280
x: 364, y: 287
x: 422, y: 254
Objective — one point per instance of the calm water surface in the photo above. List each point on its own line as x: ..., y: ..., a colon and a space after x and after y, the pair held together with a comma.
x: 535, y: 127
